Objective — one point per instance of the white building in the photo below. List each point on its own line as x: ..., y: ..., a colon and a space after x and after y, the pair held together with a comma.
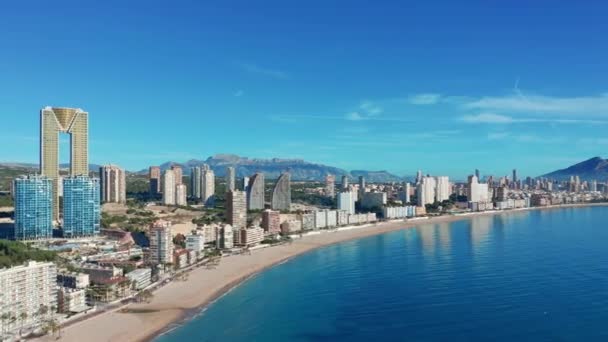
x: 112, y: 182
x: 195, y: 242
x: 207, y: 186
x: 181, y: 195
x: 249, y: 236
x: 426, y: 191
x: 161, y: 243
x: 71, y: 300
x: 25, y: 290
x: 478, y: 192
x: 225, y: 237
x: 346, y: 201
x: 169, y: 187
x: 141, y: 277
x: 442, y: 192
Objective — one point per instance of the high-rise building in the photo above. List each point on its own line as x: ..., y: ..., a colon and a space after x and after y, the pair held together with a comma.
x: 75, y: 122
x: 179, y: 174
x: 25, y: 290
x: 245, y: 184
x: 346, y: 201
x: 225, y: 237
x: 281, y: 194
x: 255, y: 192
x: 161, y: 243
x: 478, y: 192
x: 514, y: 176
x: 593, y: 185
x: 426, y: 191
x: 33, y: 208
x: 443, y: 189
x: 330, y: 186
x: 113, y: 184
x: 344, y: 184
x: 208, y: 186
x: 230, y: 178
x: 181, y: 195
x: 236, y: 209
x: 81, y: 207
x: 248, y: 236
x: 154, y: 176
x: 418, y: 176
x: 169, y: 187
x: 271, y: 221
x: 195, y: 182
x: 361, y: 188
x: 405, y: 195
x: 477, y: 174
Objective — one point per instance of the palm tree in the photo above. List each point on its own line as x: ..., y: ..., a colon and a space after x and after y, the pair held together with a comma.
x: 22, y: 318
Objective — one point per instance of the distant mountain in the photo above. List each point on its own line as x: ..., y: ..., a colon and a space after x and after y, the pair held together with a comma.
x: 594, y: 168
x: 272, y: 168
x: 9, y: 171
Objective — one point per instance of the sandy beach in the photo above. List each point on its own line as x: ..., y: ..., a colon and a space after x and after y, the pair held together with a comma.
x: 180, y: 299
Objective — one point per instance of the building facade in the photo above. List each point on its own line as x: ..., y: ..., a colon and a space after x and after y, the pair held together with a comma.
x: 255, y: 192
x: 72, y: 121
x: 236, y: 209
x: 81, y: 207
x: 113, y: 184
x: 346, y: 201
x: 27, y: 289
x: 33, y: 208
x: 208, y: 187
x: 230, y: 178
x: 330, y: 186
x: 161, y: 243
x: 443, y: 189
x: 271, y: 221
x: 154, y: 178
x: 169, y: 187
x: 195, y: 182
x: 281, y: 194
x: 179, y: 174
x: 181, y: 195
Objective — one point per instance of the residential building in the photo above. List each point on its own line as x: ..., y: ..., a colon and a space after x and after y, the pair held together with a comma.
x: 245, y: 184
x: 478, y: 192
x: 113, y: 184
x: 373, y: 200
x: 181, y: 195
x: 179, y: 174
x: 361, y: 188
x: 72, y: 121
x: 255, y: 192
x: 169, y: 187
x: 330, y: 186
x: 236, y: 209
x: 344, y: 183
x: 225, y: 236
x: 443, y: 189
x: 346, y: 201
x: 281, y: 194
x: 71, y: 300
x: 33, y: 208
x: 195, y: 182
x: 161, y: 242
x: 230, y: 178
x: 195, y: 242
x: 73, y: 280
x: 406, y: 193
x: 27, y: 289
x: 248, y: 236
x: 291, y: 226
x: 426, y: 191
x: 140, y: 278
x: 308, y: 221
x: 271, y: 221
x: 81, y: 207
x: 154, y: 177
x: 208, y: 187
x: 99, y: 274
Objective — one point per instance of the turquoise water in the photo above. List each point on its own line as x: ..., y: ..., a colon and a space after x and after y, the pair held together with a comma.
x: 536, y: 275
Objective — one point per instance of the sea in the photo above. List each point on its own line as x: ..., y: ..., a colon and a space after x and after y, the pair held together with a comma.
x: 539, y: 275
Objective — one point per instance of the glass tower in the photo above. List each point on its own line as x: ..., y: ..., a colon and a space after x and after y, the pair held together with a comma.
x: 33, y: 208
x: 81, y: 208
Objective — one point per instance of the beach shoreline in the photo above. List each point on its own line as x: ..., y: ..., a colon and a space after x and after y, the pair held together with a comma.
x: 180, y: 301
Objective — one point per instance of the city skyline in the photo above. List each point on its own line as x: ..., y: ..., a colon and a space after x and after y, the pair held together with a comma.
x: 357, y: 96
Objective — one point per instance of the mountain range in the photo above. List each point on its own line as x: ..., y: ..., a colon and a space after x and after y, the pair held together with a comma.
x: 595, y: 168
x: 272, y: 168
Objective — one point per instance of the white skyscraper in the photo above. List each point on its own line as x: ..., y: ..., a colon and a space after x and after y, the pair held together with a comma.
x: 346, y: 201
x: 181, y: 196
x: 426, y: 191
x: 112, y: 184
x: 207, y: 186
x: 478, y: 192
x: 443, y: 189
x: 405, y: 195
x: 169, y: 187
x: 161, y: 242
x: 230, y: 178
x: 195, y: 182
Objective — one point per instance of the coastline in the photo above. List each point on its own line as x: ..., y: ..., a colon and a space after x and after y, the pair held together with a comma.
x: 179, y: 301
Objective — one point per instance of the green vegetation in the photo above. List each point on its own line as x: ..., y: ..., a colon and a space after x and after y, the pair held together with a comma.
x: 179, y: 240
x: 14, y: 253
x: 7, y: 174
x: 6, y: 201
x: 141, y: 219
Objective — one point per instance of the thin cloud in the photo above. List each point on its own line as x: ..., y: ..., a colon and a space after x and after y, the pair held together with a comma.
x: 584, y: 105
x: 256, y: 69
x: 239, y: 93
x: 424, y: 99
x: 487, y: 118
x: 355, y: 116
x: 370, y: 108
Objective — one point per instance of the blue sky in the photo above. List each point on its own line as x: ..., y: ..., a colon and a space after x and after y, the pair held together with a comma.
x: 442, y: 86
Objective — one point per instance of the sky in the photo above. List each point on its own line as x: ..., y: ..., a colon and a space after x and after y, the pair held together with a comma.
x: 442, y: 86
